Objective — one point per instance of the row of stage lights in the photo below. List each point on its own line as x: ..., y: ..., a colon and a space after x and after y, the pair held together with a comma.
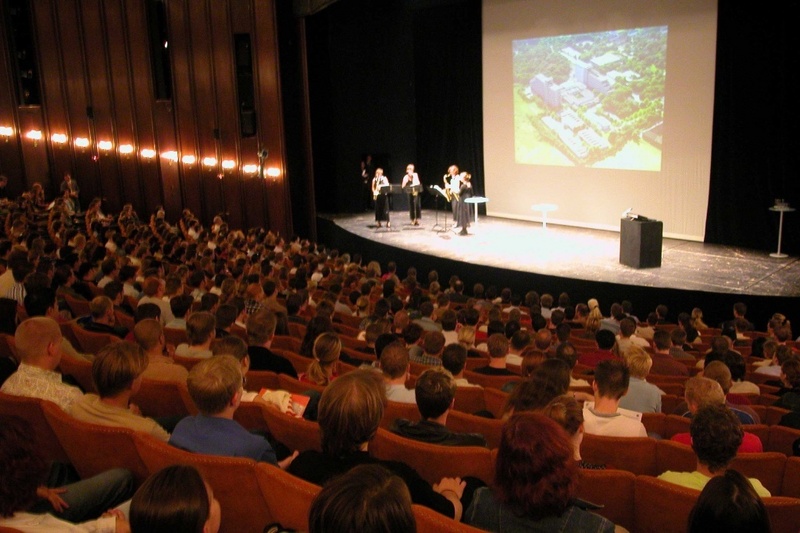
x: 146, y: 153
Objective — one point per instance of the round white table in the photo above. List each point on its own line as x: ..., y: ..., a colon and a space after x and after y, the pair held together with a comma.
x: 475, y: 200
x: 544, y: 208
x: 780, y: 209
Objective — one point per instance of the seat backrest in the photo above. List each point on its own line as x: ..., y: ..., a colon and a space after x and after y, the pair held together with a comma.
x: 299, y: 362
x: 232, y: 478
x: 285, y: 342
x: 295, y: 385
x: 175, y: 336
x: 158, y: 398
x: 186, y: 362
x: 791, y: 478
x: 297, y: 330
x: 634, y: 454
x: 654, y: 423
x: 31, y: 409
x: 767, y: 467
x: 783, y: 514
x: 288, y: 498
x: 594, y: 485
x: 261, y: 379
x: 296, y: 433
x: 79, y: 369
x: 483, y: 380
x: 432, y: 461
x: 469, y: 400
x: 774, y: 415
x: 91, y: 342
x: 490, y: 428
x: 781, y: 439
x: 495, y: 401
x: 429, y: 521
x: 8, y: 347
x: 674, y: 456
x: 395, y: 410
x: 352, y: 342
x: 85, y: 443
x: 124, y: 319
x: 661, y: 507
x: 675, y: 424
x: 77, y: 306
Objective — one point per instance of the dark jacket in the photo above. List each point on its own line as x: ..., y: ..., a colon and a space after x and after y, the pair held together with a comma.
x: 435, y: 433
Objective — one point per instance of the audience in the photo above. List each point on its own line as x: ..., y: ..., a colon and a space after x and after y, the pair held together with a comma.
x: 603, y: 416
x: 729, y: 503
x: 642, y: 396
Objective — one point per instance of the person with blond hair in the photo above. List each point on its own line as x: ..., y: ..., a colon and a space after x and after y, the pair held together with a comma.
x: 38, y: 343
x: 642, y: 396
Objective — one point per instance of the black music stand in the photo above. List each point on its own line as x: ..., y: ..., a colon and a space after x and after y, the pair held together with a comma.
x: 438, y: 191
x: 388, y: 190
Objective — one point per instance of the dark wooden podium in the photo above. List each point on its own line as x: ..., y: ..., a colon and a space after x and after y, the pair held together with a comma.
x: 640, y: 243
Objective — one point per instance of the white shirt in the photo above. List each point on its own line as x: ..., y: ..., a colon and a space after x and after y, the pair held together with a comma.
x: 623, y: 423
x: 46, y: 523
x: 34, y: 382
x: 399, y: 393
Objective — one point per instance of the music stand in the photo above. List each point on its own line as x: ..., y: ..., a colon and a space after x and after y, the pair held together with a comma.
x: 439, y: 191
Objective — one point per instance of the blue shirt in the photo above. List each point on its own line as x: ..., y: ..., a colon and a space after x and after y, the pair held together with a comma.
x: 220, y: 436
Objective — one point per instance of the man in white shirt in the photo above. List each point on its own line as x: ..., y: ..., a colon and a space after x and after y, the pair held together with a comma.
x: 604, y: 416
x: 38, y: 342
x: 395, y: 366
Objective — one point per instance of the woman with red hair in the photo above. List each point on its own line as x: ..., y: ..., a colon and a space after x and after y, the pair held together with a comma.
x: 535, y: 483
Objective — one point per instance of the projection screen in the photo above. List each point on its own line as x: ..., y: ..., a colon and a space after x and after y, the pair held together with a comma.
x: 599, y: 106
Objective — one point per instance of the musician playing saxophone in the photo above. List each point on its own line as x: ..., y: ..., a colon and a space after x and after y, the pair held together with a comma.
x: 381, y: 200
x: 411, y: 179
x: 452, y: 182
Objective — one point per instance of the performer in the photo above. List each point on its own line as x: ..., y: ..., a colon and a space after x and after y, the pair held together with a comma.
x: 411, y: 179
x: 381, y: 200
x: 452, y: 186
x: 464, y: 192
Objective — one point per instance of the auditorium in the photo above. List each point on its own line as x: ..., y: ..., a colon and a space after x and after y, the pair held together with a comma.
x: 479, y: 264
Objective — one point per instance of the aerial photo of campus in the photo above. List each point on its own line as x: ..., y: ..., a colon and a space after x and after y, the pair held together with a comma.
x: 591, y: 100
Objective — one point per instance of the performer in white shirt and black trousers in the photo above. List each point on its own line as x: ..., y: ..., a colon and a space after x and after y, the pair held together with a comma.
x: 381, y: 200
x: 411, y: 179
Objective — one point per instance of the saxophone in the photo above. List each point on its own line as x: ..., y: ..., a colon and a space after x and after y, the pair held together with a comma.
x: 447, y: 191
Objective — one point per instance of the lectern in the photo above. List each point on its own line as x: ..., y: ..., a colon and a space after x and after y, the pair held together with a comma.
x: 640, y: 243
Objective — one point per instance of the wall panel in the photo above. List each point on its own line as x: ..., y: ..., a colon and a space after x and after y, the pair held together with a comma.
x: 97, y: 82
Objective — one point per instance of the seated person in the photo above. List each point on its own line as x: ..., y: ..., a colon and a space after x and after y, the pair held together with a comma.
x: 729, y: 503
x: 536, y: 483
x: 497, y: 346
x: 566, y: 352
x: 716, y: 435
x: 176, y: 498
x: 719, y: 372
x: 435, y: 392
x: 395, y: 366
x: 606, y: 349
x: 28, y: 505
x: 180, y: 307
x: 699, y: 392
x: 102, y: 318
x: 350, y: 413
x: 216, y: 387
x: 260, y: 333
x: 454, y: 360
x: 384, y: 503
x: 200, y: 332
x: 38, y: 342
x: 642, y: 396
x: 325, y: 366
x: 431, y: 349
x: 736, y: 364
x: 149, y: 335
x: 790, y: 392
x: 604, y: 416
x: 568, y: 413
x: 117, y: 375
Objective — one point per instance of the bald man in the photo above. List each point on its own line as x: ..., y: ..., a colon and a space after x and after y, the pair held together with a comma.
x: 38, y: 342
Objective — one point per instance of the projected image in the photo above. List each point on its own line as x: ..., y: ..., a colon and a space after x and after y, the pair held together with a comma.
x: 591, y: 100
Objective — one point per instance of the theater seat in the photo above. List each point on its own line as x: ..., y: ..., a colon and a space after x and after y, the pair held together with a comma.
x: 288, y: 498
x: 395, y: 410
x: 661, y: 507
x: 431, y: 461
x: 767, y: 467
x: 634, y: 454
x: 31, y: 409
x: 490, y: 428
x: 594, y: 486
x: 232, y: 478
x: 469, y: 400
x: 781, y: 439
x: 791, y: 478
x: 429, y: 521
x: 80, y: 370
x: 296, y: 433
x: 92, y: 448
x: 674, y: 456
x: 91, y: 342
x: 157, y: 398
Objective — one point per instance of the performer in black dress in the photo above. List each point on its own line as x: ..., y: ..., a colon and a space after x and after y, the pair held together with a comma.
x: 464, y: 192
x: 451, y: 186
x: 381, y: 200
x: 411, y: 179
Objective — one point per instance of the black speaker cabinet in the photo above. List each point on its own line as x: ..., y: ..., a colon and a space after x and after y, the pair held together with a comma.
x: 640, y: 243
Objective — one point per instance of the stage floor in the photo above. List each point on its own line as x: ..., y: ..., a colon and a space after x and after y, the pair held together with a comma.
x: 584, y: 254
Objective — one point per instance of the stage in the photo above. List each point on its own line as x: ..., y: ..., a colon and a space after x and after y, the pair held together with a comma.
x: 568, y: 258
